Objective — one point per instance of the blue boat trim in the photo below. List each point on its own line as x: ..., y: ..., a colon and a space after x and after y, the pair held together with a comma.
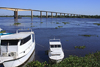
x: 5, y: 33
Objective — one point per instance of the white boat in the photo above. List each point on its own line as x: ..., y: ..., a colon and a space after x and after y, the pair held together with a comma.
x: 16, y: 48
x: 55, y: 53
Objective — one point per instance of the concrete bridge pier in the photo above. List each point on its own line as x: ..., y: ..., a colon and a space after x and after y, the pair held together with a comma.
x: 77, y: 15
x: 15, y: 14
x: 60, y: 14
x: 71, y: 15
x: 31, y: 14
x: 56, y: 15
x: 64, y: 14
x: 51, y: 14
x: 46, y: 14
x: 40, y: 14
x: 67, y: 14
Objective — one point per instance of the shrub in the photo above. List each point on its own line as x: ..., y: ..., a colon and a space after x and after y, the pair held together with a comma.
x: 90, y: 60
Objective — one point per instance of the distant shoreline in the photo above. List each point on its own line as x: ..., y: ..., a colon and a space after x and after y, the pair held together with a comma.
x: 49, y: 16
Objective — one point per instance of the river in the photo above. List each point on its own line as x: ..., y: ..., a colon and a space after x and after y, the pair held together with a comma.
x: 69, y: 34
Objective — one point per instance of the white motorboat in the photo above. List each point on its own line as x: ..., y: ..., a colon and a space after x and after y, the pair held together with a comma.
x: 16, y: 48
x: 55, y: 53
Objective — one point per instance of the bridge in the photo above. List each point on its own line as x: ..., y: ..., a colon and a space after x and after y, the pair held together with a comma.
x: 19, y: 9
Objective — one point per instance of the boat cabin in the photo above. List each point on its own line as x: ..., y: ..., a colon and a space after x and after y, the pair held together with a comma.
x: 55, y: 46
x: 55, y: 43
x: 15, y: 42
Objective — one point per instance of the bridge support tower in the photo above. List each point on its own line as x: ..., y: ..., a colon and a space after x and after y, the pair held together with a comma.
x: 15, y: 14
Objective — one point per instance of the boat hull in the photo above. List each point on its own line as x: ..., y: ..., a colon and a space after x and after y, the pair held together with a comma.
x: 55, y: 61
x: 19, y: 61
x: 55, y: 58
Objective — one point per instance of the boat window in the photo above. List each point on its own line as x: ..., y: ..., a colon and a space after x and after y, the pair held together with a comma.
x: 56, y: 46
x: 52, y: 46
x: 9, y: 42
x: 23, y: 41
x: 55, y: 54
x: 59, y: 45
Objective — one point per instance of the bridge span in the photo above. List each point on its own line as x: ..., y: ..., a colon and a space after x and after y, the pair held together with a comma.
x: 19, y: 9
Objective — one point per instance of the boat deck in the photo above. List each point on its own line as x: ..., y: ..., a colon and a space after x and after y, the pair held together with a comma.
x: 20, y: 35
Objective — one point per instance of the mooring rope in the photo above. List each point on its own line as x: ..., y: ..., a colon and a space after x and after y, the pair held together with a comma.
x: 40, y: 45
x: 68, y: 50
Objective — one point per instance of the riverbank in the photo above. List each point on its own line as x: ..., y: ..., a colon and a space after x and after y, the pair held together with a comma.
x: 90, y: 60
x: 58, y: 16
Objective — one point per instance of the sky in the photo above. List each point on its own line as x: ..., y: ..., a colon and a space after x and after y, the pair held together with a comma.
x: 84, y: 7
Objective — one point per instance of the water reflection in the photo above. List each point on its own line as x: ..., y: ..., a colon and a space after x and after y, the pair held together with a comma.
x: 15, y: 20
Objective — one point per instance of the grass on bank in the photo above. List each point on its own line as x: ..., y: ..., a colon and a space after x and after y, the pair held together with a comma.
x: 90, y: 60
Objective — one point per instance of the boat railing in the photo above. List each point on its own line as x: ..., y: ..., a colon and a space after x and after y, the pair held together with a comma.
x: 23, y: 30
x: 54, y: 40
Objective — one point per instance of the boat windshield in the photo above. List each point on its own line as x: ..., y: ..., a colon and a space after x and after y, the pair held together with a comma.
x: 55, y: 46
x: 55, y: 54
x: 9, y: 42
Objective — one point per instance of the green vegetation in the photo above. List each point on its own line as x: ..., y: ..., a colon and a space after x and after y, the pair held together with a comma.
x: 37, y: 64
x: 97, y: 24
x: 65, y: 22
x: 58, y: 16
x: 90, y: 60
x: 80, y: 47
x: 41, y: 22
x: 32, y: 26
x: 89, y: 35
x: 57, y: 23
x: 17, y: 23
x: 2, y: 31
x: 56, y: 27
x: 86, y: 35
x: 60, y: 26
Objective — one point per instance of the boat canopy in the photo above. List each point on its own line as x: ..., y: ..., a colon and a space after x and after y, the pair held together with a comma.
x: 55, y: 43
x: 20, y: 35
